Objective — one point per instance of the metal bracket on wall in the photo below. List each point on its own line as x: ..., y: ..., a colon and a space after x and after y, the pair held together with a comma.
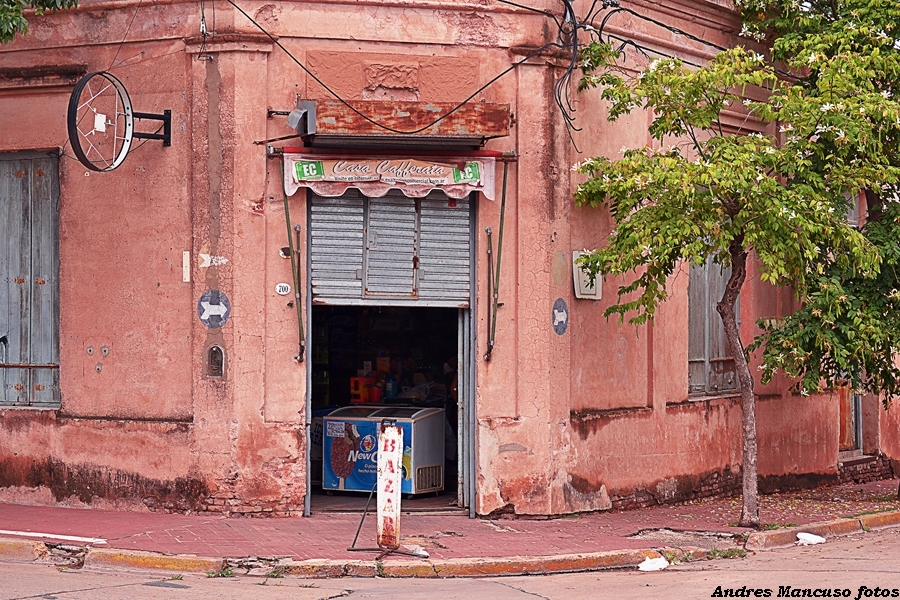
x: 494, y: 271
x: 165, y: 136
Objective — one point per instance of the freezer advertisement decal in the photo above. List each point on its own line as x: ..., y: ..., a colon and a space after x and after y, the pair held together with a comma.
x: 351, y: 456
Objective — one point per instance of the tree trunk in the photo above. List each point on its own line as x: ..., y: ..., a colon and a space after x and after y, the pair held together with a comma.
x: 726, y: 309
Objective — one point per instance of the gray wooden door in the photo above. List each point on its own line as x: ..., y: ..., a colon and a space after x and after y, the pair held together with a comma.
x: 390, y: 250
x: 29, y: 280
x: 710, y: 362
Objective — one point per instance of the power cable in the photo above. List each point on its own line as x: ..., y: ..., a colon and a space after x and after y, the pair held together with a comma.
x: 113, y: 61
x: 130, y: 23
x: 337, y: 96
x: 124, y: 64
x: 618, y: 9
x: 534, y: 10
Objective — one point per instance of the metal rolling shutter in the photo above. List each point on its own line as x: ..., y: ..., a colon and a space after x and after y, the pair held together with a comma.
x: 336, y: 246
x: 444, y: 251
x: 390, y: 250
x: 391, y: 239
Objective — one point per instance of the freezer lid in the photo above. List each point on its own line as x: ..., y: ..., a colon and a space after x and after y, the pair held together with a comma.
x: 353, y: 412
x: 405, y: 412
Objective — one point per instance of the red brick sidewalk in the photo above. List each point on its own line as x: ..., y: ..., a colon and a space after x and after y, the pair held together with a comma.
x: 327, y: 536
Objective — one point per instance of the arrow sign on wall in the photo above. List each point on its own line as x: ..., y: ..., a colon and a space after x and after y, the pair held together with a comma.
x: 213, y: 308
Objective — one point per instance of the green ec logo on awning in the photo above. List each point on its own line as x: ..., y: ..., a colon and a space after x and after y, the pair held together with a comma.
x: 470, y: 174
x: 307, y: 170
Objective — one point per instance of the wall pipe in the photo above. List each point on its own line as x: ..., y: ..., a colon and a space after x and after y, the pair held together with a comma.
x: 294, y: 268
x: 494, y: 286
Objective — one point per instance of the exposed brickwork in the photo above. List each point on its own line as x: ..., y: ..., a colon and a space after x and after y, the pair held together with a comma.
x: 229, y: 504
x: 712, y: 485
x: 866, y: 469
x: 728, y: 483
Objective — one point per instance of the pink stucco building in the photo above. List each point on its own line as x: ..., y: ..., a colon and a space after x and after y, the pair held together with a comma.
x: 151, y: 356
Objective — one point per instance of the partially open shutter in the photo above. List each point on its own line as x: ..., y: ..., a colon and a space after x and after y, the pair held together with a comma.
x: 336, y: 246
x: 722, y: 376
x: 444, y: 251
x: 710, y: 363
x: 15, y: 267
x: 391, y: 242
x: 698, y: 314
x: 390, y: 250
x: 45, y: 284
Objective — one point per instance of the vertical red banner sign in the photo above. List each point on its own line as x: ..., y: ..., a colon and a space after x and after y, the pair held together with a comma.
x: 390, y: 456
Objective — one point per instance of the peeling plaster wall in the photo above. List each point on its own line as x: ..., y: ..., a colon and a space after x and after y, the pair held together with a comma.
x: 634, y: 437
x: 238, y: 440
x: 593, y: 418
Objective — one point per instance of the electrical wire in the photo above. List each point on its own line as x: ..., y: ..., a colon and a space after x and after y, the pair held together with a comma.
x: 158, y: 129
x: 534, y: 10
x: 568, y: 26
x: 130, y: 23
x: 530, y: 55
x: 567, y: 39
x: 670, y: 28
x: 204, y: 30
x: 592, y: 14
x: 112, y: 62
x: 124, y: 64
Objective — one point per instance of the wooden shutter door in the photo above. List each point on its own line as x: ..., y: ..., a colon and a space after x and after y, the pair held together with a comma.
x: 29, y: 286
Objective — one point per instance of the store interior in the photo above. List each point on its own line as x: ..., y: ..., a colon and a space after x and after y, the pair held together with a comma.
x: 377, y: 360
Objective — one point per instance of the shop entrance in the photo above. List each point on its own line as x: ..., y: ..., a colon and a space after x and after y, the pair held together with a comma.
x: 370, y: 363
x: 389, y: 289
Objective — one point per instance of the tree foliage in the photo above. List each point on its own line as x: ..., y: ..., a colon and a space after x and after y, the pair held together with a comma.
x: 781, y: 195
x: 779, y: 189
x: 848, y: 327
x: 12, y: 14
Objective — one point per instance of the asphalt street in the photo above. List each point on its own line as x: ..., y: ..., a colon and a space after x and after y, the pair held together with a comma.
x: 857, y: 567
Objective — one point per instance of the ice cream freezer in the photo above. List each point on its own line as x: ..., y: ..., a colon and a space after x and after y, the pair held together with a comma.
x: 350, y: 447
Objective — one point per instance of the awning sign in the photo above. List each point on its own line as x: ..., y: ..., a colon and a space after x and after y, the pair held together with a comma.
x: 471, y: 173
x: 309, y: 170
x: 374, y: 177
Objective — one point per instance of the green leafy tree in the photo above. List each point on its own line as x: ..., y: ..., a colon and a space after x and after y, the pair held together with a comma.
x: 781, y: 196
x: 12, y: 14
x: 848, y: 327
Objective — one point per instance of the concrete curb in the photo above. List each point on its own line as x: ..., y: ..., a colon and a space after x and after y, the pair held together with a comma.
x: 782, y: 538
x: 880, y: 520
x: 16, y: 550
x: 467, y: 567
x: 135, y: 559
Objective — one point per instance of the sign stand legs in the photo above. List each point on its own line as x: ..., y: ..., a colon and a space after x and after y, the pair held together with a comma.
x: 390, y: 455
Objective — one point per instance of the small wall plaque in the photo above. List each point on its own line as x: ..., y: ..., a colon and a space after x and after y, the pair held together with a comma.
x: 583, y: 287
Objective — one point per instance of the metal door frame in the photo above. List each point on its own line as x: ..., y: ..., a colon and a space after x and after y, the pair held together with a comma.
x: 466, y: 346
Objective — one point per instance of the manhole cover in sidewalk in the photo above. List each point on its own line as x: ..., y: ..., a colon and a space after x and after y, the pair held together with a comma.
x: 708, y: 540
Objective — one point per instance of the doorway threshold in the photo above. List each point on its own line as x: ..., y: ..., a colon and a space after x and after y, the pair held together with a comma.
x: 854, y: 459
x: 349, y: 502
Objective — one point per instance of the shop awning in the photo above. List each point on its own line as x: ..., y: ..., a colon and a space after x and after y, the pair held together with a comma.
x: 374, y: 175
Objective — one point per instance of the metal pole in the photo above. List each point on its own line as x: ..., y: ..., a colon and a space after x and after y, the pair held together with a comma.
x: 494, y: 274
x: 294, y: 267
x: 491, y: 295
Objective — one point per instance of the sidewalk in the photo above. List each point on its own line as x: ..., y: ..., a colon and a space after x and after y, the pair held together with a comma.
x: 457, y: 546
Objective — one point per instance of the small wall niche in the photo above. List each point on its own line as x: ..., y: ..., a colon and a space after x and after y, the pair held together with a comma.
x: 215, y: 362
